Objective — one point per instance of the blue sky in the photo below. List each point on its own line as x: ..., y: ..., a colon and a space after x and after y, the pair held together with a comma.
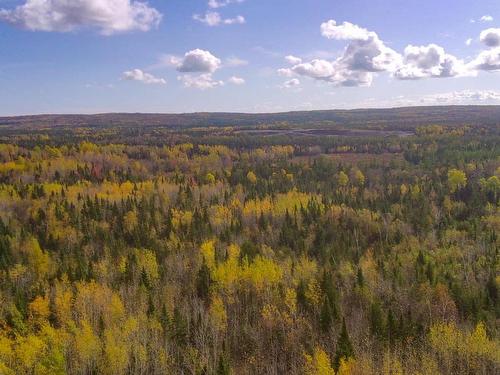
x: 91, y: 56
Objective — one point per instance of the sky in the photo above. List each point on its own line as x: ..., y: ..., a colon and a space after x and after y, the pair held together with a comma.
x: 176, y: 56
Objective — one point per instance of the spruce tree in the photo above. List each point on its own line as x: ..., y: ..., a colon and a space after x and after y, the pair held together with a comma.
x: 344, y: 346
x: 203, y: 282
x: 223, y: 366
x: 326, y: 315
x: 377, y: 320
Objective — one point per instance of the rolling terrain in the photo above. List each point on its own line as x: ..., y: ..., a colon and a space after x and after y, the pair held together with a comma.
x: 397, y: 118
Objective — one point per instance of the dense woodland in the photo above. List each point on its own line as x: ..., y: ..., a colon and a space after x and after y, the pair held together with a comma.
x: 210, y: 251
x: 396, y: 118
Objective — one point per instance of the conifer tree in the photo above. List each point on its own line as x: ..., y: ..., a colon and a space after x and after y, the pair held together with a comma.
x: 344, y: 346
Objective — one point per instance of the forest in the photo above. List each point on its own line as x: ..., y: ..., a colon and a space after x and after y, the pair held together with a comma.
x: 219, y: 250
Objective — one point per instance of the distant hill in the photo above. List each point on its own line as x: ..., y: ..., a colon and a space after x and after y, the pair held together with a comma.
x: 398, y: 118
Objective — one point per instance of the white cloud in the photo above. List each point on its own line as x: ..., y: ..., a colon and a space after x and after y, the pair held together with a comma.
x: 319, y: 69
x: 197, y: 61
x: 235, y: 62
x: 369, y: 55
x: 222, y: 3
x: 199, y: 66
x: 201, y: 81
x: 430, y: 61
x: 462, y: 97
x: 214, y: 19
x: 490, y: 37
x: 353, y: 78
x: 345, y: 31
x: 366, y: 54
x: 293, y: 60
x: 139, y: 75
x: 487, y: 60
x: 107, y: 16
x: 293, y: 83
x: 321, y: 54
x: 333, y: 72
x: 210, y: 18
x: 486, y: 18
x: 285, y: 72
x: 236, y: 20
x: 236, y: 81
x: 171, y: 60
x: 469, y: 41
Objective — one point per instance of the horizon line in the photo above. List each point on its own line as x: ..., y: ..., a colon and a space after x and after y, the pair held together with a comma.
x: 245, y: 112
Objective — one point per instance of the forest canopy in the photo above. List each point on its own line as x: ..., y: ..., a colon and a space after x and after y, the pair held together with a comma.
x: 222, y: 250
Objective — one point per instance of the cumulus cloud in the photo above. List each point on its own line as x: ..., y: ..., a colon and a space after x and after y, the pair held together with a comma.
x: 107, y: 16
x: 196, y: 61
x: 490, y: 37
x: 366, y: 55
x: 236, y: 80
x: 198, y: 67
x: 201, y: 81
x: 222, y: 3
x: 469, y: 41
x: 430, y: 61
x: 139, y: 75
x: 214, y: 19
x: 292, y: 83
x: 320, y: 69
x: 370, y: 55
x: 344, y: 31
x: 293, y: 59
x: 488, y: 60
x: 285, y: 72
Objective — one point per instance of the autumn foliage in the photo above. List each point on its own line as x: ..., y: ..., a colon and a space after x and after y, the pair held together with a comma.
x: 216, y: 253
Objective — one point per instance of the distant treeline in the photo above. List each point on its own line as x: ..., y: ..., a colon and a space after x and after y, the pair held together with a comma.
x: 395, y: 118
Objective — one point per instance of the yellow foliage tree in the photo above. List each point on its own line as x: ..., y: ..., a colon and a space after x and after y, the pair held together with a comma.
x: 29, y: 351
x: 130, y: 221
x: 218, y: 313
x: 146, y: 260
x: 87, y: 346
x: 456, y: 179
x: 318, y: 363
x: 210, y: 178
x: 38, y: 260
x: 207, y: 249
x: 116, y: 352
x: 63, y: 300
x: 359, y: 177
x: 252, y: 178
x: 343, y: 179
x: 346, y: 366
x: 39, y: 310
x: 262, y: 273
